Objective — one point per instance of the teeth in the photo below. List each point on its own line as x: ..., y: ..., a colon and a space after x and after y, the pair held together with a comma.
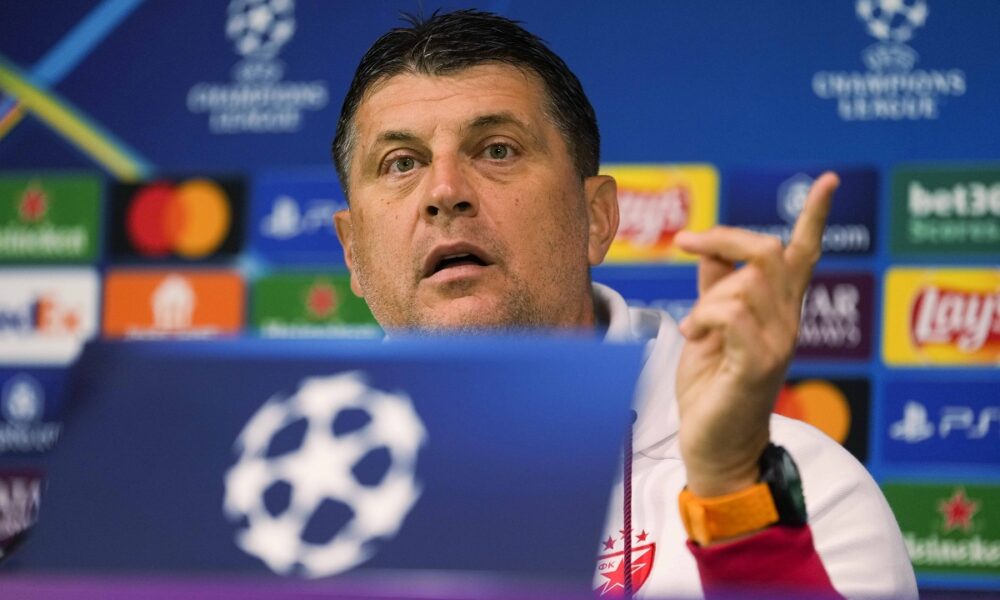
x: 451, y: 256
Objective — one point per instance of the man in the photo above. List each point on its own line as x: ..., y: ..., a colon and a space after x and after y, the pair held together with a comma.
x: 469, y: 155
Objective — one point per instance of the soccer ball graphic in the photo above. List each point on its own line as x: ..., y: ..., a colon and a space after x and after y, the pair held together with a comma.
x: 892, y: 20
x: 324, y: 476
x: 259, y: 28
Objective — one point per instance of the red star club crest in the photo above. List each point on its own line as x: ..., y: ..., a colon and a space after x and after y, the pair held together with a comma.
x: 958, y: 511
x: 611, y: 567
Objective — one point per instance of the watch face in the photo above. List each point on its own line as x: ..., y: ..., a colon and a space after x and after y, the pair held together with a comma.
x: 793, y: 484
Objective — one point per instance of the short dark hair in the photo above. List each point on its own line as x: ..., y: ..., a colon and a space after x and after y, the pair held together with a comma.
x: 450, y: 42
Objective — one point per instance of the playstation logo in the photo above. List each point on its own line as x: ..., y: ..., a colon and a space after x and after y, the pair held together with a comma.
x: 914, y: 426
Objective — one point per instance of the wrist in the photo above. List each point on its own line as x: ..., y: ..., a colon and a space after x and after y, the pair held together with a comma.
x: 723, y: 485
x: 773, y: 497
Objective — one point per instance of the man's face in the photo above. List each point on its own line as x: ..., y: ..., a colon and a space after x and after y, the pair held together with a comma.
x: 466, y: 210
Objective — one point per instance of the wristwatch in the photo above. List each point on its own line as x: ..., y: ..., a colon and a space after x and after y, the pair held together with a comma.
x: 776, y: 499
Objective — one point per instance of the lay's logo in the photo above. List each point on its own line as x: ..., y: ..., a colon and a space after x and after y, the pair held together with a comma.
x: 655, y: 203
x: 946, y: 316
x: 967, y: 320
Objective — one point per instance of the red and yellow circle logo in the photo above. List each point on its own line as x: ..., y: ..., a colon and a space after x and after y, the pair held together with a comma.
x: 190, y: 219
x: 819, y: 403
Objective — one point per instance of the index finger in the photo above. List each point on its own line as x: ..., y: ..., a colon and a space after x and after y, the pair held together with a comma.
x: 806, y: 244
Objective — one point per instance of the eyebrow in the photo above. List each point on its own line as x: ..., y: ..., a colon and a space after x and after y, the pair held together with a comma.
x: 395, y: 136
x: 503, y: 118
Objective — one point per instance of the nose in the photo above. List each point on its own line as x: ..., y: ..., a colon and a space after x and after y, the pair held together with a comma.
x: 451, y: 193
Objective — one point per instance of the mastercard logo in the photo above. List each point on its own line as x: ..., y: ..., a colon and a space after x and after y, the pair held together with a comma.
x: 819, y: 403
x: 190, y: 219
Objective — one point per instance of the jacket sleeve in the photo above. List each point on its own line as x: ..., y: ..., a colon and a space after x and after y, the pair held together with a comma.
x: 852, y: 534
x: 776, y: 558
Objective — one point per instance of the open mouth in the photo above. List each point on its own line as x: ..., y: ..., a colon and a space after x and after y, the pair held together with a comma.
x: 457, y: 260
x: 455, y: 255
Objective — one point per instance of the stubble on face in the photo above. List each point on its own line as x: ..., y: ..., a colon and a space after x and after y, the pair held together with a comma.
x: 535, y: 234
x: 518, y: 306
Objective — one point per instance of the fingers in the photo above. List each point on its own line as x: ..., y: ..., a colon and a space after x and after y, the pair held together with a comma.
x: 710, y: 271
x: 753, y: 349
x: 747, y: 285
x: 806, y: 243
x: 731, y: 245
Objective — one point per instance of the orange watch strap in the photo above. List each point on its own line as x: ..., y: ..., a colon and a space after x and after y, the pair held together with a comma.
x: 710, y: 519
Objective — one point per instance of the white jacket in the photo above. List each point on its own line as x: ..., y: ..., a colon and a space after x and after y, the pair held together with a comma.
x: 854, y: 530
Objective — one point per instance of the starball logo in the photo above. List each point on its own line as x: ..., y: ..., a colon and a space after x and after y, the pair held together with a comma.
x: 892, y: 88
x: 942, y: 316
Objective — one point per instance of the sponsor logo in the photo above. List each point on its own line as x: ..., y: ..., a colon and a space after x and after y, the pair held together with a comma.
x: 954, y: 421
x: 192, y: 219
x: 656, y: 202
x: 674, y: 294
x: 838, y: 408
x: 611, y: 567
x: 172, y: 304
x: 892, y: 88
x: 258, y: 99
x: 51, y: 218
x: 22, y: 405
x: 949, y: 528
x: 286, y: 220
x: 310, y: 305
x: 20, y: 499
x: 293, y: 217
x: 851, y: 224
x: 836, y: 319
x: 942, y: 316
x: 939, y: 210
x: 46, y: 314
x: 353, y: 451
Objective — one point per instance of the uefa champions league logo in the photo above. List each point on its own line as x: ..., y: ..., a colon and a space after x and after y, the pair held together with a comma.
x: 259, y: 99
x: 892, y: 88
x: 337, y: 426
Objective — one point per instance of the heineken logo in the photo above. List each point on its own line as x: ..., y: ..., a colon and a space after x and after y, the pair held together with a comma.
x: 302, y: 304
x: 49, y: 218
x: 949, y: 528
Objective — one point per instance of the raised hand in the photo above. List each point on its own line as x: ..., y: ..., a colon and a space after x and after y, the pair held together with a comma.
x: 740, y: 338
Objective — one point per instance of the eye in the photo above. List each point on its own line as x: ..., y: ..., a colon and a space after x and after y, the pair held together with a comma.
x: 498, y: 151
x: 402, y: 164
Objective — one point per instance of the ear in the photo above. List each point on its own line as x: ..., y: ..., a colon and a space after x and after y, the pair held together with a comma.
x: 601, y: 192
x: 342, y: 223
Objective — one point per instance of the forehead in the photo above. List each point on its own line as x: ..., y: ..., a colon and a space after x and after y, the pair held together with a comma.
x: 424, y: 103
